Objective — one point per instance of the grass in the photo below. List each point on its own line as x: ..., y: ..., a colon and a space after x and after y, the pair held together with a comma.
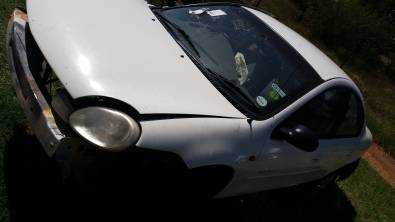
x: 380, y: 108
x: 371, y: 198
x: 10, y: 111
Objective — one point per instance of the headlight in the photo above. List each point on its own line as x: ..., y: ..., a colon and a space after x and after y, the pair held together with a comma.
x: 105, y: 127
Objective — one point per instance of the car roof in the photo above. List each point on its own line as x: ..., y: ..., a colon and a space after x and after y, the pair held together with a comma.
x: 321, y: 63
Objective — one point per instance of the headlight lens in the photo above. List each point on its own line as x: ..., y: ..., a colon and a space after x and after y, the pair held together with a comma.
x: 105, y: 127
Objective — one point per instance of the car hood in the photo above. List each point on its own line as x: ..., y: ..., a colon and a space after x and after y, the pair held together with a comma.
x: 120, y: 50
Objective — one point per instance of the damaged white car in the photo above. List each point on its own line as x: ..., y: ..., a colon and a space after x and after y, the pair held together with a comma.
x: 220, y: 97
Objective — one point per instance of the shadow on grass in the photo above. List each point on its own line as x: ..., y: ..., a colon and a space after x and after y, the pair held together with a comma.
x: 35, y: 193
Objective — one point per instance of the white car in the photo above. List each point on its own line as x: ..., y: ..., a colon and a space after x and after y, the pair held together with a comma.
x: 221, y: 96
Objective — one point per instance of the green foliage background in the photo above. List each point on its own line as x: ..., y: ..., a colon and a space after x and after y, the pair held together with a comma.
x: 360, y: 32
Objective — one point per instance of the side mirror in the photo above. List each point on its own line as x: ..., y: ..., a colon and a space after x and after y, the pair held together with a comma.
x: 300, y: 136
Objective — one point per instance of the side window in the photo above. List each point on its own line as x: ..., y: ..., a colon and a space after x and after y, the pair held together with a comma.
x: 336, y: 113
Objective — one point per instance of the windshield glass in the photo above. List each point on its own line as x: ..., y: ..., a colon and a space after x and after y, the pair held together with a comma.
x: 260, y: 71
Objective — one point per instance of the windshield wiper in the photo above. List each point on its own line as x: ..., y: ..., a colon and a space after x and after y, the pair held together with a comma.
x: 179, y: 30
x: 230, y: 84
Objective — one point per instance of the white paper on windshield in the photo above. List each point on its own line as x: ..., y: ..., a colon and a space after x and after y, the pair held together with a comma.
x: 215, y: 13
x: 197, y: 12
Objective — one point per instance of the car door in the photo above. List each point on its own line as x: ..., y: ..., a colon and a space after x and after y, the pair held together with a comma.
x: 337, y: 117
x: 333, y: 118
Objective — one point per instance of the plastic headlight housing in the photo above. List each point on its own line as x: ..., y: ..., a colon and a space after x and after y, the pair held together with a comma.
x: 106, y: 128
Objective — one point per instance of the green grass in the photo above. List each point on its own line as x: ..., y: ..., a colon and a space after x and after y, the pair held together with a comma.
x: 10, y: 111
x: 379, y: 93
x: 372, y: 198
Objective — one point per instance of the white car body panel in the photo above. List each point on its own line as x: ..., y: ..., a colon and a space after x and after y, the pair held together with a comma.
x: 321, y: 63
x: 220, y: 141
x: 117, y: 50
x: 281, y: 165
x: 122, y: 51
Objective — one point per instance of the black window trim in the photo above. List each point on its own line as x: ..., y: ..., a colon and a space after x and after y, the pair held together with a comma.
x: 213, y: 4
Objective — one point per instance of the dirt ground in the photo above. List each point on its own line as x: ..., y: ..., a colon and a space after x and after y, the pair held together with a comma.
x: 382, y: 163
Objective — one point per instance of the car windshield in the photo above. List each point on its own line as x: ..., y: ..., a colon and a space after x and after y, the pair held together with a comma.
x: 248, y: 62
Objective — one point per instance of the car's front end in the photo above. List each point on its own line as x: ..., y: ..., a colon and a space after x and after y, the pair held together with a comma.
x: 142, y: 104
x: 101, y: 154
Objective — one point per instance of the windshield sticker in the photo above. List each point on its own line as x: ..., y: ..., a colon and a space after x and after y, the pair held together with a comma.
x: 274, y: 95
x: 215, y: 13
x: 261, y: 101
x: 241, y: 68
x: 277, y: 88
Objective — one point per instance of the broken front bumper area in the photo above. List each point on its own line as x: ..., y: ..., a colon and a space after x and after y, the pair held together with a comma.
x: 32, y: 100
